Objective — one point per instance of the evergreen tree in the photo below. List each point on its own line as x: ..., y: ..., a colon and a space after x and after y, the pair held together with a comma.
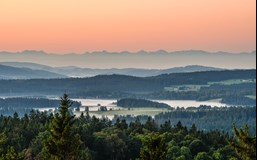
x: 154, y: 148
x: 193, y: 129
x: 202, y: 156
x: 3, y: 140
x: 63, y: 143
x: 136, y: 127
x: 166, y: 127
x: 11, y: 154
x: 151, y: 125
x: 245, y: 145
x: 85, y: 155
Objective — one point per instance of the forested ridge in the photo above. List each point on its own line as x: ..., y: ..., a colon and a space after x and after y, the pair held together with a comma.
x: 117, y: 82
x: 61, y: 136
x: 235, y: 94
x: 207, y: 118
x: 140, y: 103
x: 8, y: 106
x: 119, y: 86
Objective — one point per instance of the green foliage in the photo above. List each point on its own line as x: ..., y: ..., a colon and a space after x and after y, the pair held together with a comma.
x: 181, y: 158
x: 114, y: 146
x: 38, y: 147
x: 63, y: 143
x: 45, y: 136
x: 119, y: 86
x: 224, y: 153
x: 211, y: 118
x: 140, y: 103
x: 150, y: 125
x: 202, y: 156
x: 185, y: 151
x: 197, y: 146
x: 244, y: 145
x: 166, y: 127
x: 102, y: 141
x: 3, y: 140
x: 154, y: 148
x: 24, y: 105
x: 85, y: 154
x: 11, y: 154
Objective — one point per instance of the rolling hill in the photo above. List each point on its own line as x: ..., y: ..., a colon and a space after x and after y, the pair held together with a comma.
x: 7, y: 72
x: 71, y: 71
x: 121, y: 86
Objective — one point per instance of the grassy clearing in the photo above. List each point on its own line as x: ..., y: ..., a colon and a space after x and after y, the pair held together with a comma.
x: 216, y: 100
x: 251, y: 96
x: 233, y: 81
x: 196, y: 88
x: 124, y: 112
x: 185, y: 88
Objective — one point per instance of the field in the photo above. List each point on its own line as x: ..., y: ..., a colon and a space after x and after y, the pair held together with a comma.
x: 185, y: 88
x: 233, y: 81
x: 251, y: 96
x: 196, y: 88
x: 149, y: 111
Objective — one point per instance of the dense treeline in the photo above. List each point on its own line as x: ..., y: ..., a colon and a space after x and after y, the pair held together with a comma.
x: 230, y: 94
x: 212, y: 118
x: 227, y: 91
x: 140, y: 103
x: 205, y: 117
x: 238, y: 100
x: 9, y: 106
x: 119, y: 86
x: 61, y: 136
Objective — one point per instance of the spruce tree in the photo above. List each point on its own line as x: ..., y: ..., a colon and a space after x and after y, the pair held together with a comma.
x: 3, y: 140
x: 63, y: 143
x: 244, y: 145
x: 154, y: 148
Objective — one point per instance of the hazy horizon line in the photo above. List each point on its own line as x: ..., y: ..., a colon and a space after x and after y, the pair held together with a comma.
x: 126, y: 51
x: 160, y: 69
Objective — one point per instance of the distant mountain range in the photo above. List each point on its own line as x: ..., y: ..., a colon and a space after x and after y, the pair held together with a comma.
x: 155, y: 60
x: 88, y: 72
x: 7, y: 72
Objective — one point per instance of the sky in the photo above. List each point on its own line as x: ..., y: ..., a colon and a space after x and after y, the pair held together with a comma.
x: 77, y: 26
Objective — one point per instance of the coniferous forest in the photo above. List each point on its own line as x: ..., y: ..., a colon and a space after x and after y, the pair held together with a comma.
x: 127, y: 80
x: 62, y: 136
x: 211, y: 86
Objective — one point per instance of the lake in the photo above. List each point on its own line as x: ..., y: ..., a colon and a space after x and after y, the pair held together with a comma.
x: 173, y: 103
x: 93, y: 107
x: 94, y: 104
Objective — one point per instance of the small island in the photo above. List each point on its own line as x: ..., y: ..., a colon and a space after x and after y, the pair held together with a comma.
x: 140, y: 103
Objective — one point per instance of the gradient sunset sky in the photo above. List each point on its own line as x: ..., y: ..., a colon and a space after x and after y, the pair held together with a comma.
x: 63, y: 26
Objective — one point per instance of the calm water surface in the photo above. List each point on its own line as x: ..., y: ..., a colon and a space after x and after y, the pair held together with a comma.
x: 93, y: 103
x: 172, y: 103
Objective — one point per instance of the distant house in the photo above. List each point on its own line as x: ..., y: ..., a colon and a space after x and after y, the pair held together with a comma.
x: 102, y: 108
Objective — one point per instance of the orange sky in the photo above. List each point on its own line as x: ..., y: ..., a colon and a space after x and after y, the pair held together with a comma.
x: 63, y: 26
